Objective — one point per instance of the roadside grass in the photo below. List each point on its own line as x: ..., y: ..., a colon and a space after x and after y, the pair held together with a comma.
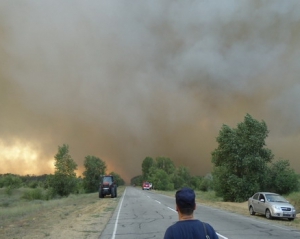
x: 23, y: 202
x: 26, y: 218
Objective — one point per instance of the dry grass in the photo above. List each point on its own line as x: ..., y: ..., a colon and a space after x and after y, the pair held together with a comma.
x: 77, y: 216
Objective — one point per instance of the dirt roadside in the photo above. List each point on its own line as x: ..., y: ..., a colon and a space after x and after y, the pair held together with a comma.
x: 78, y: 217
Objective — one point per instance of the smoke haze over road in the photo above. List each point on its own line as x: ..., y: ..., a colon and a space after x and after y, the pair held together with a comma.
x: 129, y: 79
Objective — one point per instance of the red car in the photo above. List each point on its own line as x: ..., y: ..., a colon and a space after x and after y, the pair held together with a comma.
x: 146, y: 186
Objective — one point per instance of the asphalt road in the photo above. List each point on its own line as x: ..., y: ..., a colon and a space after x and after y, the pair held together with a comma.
x: 145, y: 214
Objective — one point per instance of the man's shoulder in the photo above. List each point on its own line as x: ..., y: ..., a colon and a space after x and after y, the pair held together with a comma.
x: 181, y: 229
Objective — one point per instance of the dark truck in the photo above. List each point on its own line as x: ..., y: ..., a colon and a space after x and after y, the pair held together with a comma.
x: 107, y: 187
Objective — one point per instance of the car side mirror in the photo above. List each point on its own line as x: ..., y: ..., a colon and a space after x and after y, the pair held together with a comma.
x: 262, y: 200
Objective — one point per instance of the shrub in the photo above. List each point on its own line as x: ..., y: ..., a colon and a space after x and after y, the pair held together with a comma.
x: 50, y: 194
x: 8, y: 190
x: 11, y: 181
x: 294, y: 199
x: 33, y: 194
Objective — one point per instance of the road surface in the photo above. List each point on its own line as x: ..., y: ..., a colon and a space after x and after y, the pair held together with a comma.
x: 145, y: 214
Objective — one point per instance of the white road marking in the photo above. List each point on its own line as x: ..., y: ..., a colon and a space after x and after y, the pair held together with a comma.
x: 116, y: 223
x: 157, y: 201
x: 222, y: 236
x: 172, y: 209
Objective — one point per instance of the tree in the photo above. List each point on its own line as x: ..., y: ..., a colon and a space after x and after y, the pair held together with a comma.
x: 94, y: 168
x: 206, y: 183
x: 281, y: 178
x: 196, y: 182
x: 165, y: 164
x: 182, y: 177
x: 137, y: 180
x: 161, y: 180
x: 64, y: 180
x: 240, y: 161
x: 148, y: 162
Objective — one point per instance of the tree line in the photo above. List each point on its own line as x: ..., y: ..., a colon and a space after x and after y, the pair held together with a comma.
x: 164, y: 175
x: 242, y: 165
x: 64, y: 180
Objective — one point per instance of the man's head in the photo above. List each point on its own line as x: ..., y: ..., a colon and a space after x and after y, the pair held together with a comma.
x: 185, y: 200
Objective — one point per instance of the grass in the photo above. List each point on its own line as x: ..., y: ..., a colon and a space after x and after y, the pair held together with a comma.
x: 21, y: 203
x: 294, y: 199
x: 23, y: 218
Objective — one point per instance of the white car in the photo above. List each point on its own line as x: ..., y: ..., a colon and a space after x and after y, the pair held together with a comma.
x: 271, y: 205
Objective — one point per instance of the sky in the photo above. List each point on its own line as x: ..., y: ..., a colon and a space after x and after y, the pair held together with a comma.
x: 123, y: 80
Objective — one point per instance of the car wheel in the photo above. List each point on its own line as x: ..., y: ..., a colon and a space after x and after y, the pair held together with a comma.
x: 268, y: 214
x: 100, y: 195
x: 251, y: 211
x: 291, y: 219
x: 116, y: 192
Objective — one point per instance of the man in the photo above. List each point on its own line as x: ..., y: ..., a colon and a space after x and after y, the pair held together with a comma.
x: 187, y: 227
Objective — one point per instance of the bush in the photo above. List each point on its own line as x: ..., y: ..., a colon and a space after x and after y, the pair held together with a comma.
x: 294, y: 199
x: 8, y: 190
x: 33, y: 194
x: 10, y: 181
x: 282, y: 179
x: 33, y: 184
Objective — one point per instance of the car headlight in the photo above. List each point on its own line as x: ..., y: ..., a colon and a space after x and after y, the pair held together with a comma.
x: 277, y: 207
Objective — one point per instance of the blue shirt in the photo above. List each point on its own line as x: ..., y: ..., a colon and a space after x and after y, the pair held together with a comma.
x: 189, y: 229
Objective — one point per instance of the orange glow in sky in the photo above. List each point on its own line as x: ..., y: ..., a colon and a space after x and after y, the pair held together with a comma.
x: 22, y: 159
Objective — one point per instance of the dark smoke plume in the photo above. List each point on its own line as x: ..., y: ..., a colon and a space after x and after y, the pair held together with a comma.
x: 126, y: 80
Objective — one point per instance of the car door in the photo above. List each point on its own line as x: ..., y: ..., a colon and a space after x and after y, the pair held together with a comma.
x: 261, y: 204
x: 254, y: 202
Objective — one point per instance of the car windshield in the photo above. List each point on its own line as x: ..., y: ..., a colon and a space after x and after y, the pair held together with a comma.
x: 275, y: 198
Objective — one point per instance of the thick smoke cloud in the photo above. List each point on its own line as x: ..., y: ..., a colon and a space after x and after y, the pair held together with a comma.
x: 126, y: 80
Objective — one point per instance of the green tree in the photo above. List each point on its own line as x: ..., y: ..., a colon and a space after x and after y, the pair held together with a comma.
x: 147, y: 163
x: 137, y: 180
x: 182, y: 177
x: 64, y: 180
x: 94, y: 168
x: 240, y: 161
x: 281, y: 178
x: 165, y: 164
x: 206, y: 183
x: 161, y: 179
x: 196, y: 182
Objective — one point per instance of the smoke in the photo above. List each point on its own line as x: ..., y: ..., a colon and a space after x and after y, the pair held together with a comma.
x: 126, y: 80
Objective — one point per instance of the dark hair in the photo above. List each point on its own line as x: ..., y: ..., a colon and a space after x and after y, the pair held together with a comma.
x: 186, y: 211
